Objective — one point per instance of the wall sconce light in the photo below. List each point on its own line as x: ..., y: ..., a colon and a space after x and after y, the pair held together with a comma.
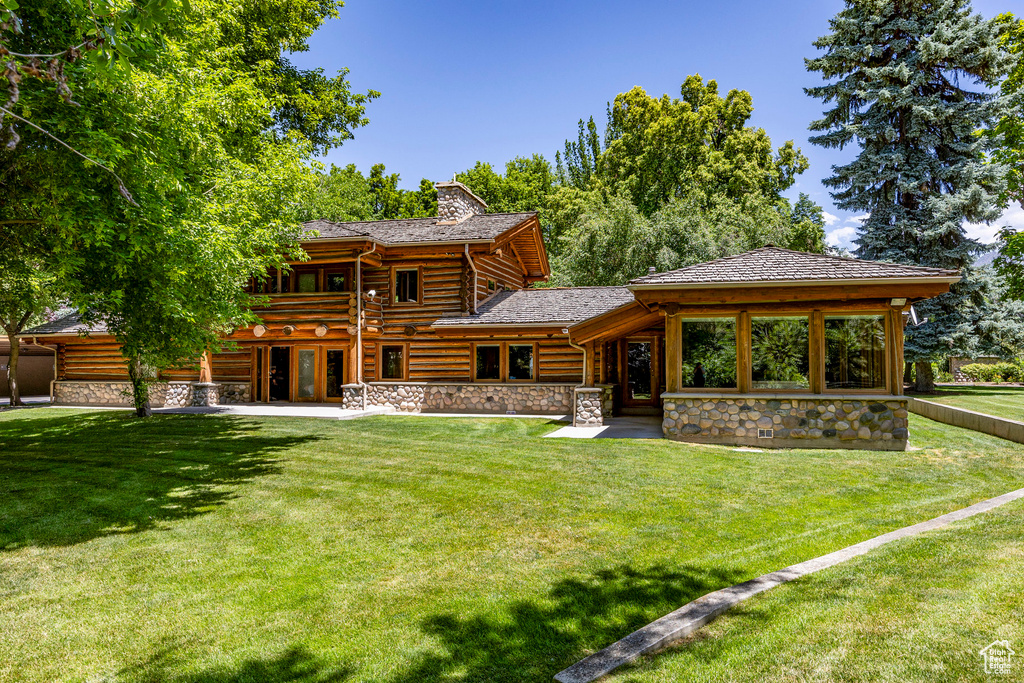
x: 898, y: 303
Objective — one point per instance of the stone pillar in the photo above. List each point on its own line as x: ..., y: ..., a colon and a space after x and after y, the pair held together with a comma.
x: 353, y: 397
x: 205, y: 394
x: 588, y: 411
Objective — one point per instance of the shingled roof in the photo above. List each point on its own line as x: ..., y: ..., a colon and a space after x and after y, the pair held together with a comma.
x: 553, y: 306
x: 414, y: 230
x: 776, y: 265
x: 69, y: 324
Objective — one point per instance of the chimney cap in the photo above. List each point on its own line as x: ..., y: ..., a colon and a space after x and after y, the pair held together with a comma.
x: 652, y: 270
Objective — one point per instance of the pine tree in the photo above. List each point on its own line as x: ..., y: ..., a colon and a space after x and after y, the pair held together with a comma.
x: 910, y: 82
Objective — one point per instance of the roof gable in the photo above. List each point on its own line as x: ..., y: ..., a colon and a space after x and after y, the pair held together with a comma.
x: 769, y: 265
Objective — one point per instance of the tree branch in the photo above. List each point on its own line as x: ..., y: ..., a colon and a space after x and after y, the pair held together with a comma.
x: 120, y: 183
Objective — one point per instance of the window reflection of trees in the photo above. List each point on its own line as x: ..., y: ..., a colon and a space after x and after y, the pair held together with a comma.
x: 780, y: 353
x: 710, y: 343
x: 855, y: 352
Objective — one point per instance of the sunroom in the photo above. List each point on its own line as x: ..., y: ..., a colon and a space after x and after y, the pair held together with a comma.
x: 776, y: 348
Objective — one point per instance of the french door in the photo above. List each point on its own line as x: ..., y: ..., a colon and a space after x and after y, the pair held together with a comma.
x: 641, y: 360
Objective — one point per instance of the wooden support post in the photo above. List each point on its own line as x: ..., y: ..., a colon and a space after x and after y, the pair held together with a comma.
x: 894, y: 352
x: 206, y: 367
x: 816, y: 365
x: 743, y: 353
x: 673, y: 354
x: 603, y: 367
x: 588, y: 364
x: 353, y: 362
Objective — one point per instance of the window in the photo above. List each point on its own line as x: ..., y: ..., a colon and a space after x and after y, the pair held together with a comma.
x: 392, y: 362
x: 285, y: 283
x: 307, y: 282
x: 708, y: 353
x: 488, y: 362
x: 520, y: 362
x: 855, y: 352
x: 780, y: 353
x: 407, y: 286
x: 338, y: 282
x: 306, y: 374
x: 491, y: 285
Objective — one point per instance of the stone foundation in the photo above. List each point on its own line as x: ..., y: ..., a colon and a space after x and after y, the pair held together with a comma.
x: 541, y: 399
x: 865, y: 422
x: 352, y: 397
x: 161, y: 394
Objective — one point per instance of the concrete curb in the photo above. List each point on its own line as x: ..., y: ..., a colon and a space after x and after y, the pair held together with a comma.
x: 1011, y: 430
x: 677, y: 625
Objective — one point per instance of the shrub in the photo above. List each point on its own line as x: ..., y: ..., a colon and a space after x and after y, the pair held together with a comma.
x: 998, y: 372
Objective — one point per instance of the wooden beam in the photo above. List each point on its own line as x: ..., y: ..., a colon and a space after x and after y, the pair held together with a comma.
x: 752, y: 294
x: 743, y: 347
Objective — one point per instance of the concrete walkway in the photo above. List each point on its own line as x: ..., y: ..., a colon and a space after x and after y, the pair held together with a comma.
x: 331, y: 411
x: 614, y: 428
x: 676, y: 626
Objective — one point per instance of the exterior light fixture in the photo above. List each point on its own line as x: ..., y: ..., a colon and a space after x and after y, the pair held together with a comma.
x: 565, y: 330
x: 898, y: 303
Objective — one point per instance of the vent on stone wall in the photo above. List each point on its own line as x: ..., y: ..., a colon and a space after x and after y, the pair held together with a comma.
x: 766, y: 433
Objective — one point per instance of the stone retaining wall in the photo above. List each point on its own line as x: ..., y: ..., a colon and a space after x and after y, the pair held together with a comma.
x: 795, y: 422
x: 1011, y: 430
x: 547, y: 399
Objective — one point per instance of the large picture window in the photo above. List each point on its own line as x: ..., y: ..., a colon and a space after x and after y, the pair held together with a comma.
x: 708, y: 353
x: 488, y: 362
x: 855, y: 352
x: 780, y: 353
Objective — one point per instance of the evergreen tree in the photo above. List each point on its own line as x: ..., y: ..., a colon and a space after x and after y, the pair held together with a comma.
x: 909, y: 81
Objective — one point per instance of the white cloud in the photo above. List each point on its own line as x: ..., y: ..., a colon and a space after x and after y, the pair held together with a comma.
x: 830, y: 218
x: 1012, y: 218
x: 842, y: 237
x: 860, y: 219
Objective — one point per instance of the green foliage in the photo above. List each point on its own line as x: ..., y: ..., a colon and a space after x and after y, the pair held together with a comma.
x: 212, y: 131
x: 525, y: 185
x: 388, y: 201
x: 659, y: 149
x: 995, y: 372
x: 341, y: 194
x: 899, y: 85
x: 779, y: 352
x: 1009, y: 131
x: 612, y: 242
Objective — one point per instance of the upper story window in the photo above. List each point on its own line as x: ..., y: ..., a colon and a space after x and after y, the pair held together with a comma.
x: 407, y: 286
x: 307, y: 282
x: 338, y: 282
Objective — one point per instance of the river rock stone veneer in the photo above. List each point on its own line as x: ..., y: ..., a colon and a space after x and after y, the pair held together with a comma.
x: 161, y: 394
x: 814, y: 421
x: 546, y: 399
x: 590, y: 406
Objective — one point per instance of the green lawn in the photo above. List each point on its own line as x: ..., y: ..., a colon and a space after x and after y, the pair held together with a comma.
x: 217, y: 549
x: 1005, y: 401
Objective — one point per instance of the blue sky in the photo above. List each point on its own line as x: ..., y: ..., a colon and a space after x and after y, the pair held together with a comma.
x: 464, y: 81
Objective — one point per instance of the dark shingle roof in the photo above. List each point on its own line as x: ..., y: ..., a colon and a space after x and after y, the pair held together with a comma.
x: 772, y: 264
x: 545, y: 306
x: 69, y: 324
x: 409, y: 230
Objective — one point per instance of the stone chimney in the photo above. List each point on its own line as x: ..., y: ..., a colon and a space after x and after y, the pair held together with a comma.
x: 456, y: 203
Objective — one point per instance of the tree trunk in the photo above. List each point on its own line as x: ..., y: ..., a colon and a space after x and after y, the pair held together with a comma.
x: 925, y: 379
x: 908, y: 372
x: 140, y: 388
x: 12, y: 370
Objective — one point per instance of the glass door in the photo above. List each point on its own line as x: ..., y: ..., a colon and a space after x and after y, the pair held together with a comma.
x: 641, y: 381
x: 305, y: 373
x: 335, y: 374
x: 279, y: 373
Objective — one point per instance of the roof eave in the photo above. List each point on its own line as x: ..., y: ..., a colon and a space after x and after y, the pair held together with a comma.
x: 945, y: 279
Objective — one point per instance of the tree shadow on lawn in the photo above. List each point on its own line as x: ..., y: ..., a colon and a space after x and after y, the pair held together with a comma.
x: 294, y: 665
x: 533, y: 642
x: 69, y: 479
